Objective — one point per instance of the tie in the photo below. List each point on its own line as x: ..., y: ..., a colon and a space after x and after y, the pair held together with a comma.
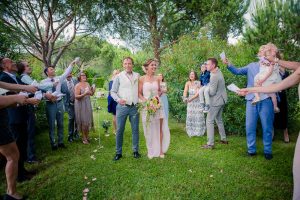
x: 53, y: 88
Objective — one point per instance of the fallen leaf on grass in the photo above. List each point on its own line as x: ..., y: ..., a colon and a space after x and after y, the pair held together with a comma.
x: 86, y: 190
x: 95, y: 150
x: 94, y: 179
x: 211, y: 176
x: 88, y: 183
x: 190, y: 170
x: 85, y: 177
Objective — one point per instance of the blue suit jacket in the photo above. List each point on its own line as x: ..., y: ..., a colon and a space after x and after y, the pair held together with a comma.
x: 65, y: 90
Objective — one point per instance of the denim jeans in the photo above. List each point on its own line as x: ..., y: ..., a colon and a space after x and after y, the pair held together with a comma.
x: 122, y: 113
x: 265, y: 111
x: 55, y: 111
x: 31, y: 133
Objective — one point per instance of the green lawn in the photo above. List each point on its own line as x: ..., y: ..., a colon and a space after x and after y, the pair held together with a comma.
x: 187, y: 172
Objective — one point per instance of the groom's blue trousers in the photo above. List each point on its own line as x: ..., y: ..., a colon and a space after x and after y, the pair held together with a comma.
x: 122, y: 113
x: 265, y: 111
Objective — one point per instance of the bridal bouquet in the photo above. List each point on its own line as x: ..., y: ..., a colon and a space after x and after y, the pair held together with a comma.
x: 151, y: 106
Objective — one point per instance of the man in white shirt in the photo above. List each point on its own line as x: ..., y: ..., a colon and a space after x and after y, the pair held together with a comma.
x: 55, y: 109
x: 125, y: 92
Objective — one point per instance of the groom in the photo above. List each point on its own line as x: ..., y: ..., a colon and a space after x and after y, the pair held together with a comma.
x: 125, y: 92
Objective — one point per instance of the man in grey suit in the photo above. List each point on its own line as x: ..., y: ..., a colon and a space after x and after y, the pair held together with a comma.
x: 218, y: 99
x: 68, y: 88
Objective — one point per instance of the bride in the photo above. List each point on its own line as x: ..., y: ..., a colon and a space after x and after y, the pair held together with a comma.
x: 156, y: 130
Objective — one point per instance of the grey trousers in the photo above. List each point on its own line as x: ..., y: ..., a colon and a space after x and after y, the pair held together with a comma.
x: 215, y: 114
x: 296, y: 171
x: 55, y: 111
x: 122, y: 113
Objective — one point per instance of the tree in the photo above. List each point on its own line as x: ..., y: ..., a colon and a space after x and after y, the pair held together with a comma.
x: 154, y: 19
x: 37, y: 26
x: 277, y: 22
x: 221, y: 17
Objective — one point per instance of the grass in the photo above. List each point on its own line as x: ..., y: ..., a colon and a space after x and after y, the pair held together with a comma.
x: 187, y: 172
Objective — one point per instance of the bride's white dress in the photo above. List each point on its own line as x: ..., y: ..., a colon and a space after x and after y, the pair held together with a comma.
x: 151, y: 126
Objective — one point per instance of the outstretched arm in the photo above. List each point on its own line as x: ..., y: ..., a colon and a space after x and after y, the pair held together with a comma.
x: 288, y: 82
x: 234, y: 70
x: 286, y: 64
x: 17, y: 87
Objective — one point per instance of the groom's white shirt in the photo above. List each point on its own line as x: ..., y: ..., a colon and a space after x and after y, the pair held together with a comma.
x: 126, y: 87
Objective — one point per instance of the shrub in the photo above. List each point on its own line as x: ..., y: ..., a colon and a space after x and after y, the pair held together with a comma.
x: 188, y: 53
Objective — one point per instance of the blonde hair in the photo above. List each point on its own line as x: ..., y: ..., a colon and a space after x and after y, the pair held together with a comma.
x: 265, y: 49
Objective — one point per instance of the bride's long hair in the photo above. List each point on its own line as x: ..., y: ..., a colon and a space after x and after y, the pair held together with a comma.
x: 147, y: 63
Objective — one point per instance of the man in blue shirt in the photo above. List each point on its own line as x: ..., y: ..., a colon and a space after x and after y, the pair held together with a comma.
x: 263, y: 110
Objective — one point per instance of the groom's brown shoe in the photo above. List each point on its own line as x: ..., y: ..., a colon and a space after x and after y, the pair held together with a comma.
x: 117, y: 157
x: 136, y: 154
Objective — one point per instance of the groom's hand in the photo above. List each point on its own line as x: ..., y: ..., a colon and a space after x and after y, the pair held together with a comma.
x: 122, y: 102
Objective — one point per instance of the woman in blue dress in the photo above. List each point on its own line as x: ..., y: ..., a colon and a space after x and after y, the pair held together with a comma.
x: 164, y: 97
x: 111, y: 104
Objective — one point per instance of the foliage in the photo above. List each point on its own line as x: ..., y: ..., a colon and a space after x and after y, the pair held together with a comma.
x: 277, y: 22
x: 188, y: 53
x: 37, y: 26
x: 221, y: 17
x: 156, y: 21
x: 187, y: 172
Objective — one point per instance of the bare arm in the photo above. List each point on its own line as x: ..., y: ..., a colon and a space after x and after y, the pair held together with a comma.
x: 288, y: 82
x: 17, y: 87
x: 286, y: 64
x: 141, y: 82
x: 186, y: 88
x: 11, y: 100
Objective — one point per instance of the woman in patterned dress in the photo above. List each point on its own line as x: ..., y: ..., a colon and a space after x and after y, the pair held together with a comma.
x: 195, y: 121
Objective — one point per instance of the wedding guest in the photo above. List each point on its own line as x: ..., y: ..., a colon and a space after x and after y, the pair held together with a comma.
x: 281, y: 118
x: 68, y: 88
x: 24, y: 70
x: 163, y: 96
x: 218, y: 99
x: 156, y: 130
x: 195, y: 122
x: 55, y: 107
x: 83, y: 107
x: 204, y: 89
x: 263, y: 110
x: 17, y: 117
x: 8, y: 147
x: 291, y: 80
x: 125, y: 92
x: 111, y: 103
